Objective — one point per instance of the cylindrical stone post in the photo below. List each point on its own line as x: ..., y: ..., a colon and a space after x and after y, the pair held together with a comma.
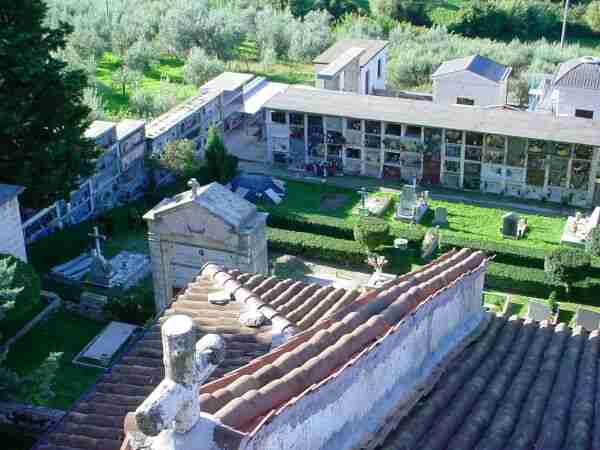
x: 179, y: 338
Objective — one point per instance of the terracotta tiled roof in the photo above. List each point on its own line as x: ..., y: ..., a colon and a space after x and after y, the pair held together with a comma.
x: 521, y: 385
x: 335, y: 328
x: 269, y: 383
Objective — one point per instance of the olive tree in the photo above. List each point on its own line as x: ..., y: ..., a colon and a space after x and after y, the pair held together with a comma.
x: 200, y: 67
x: 310, y: 36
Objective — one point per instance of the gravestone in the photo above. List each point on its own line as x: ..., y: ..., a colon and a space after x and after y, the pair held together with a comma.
x: 100, y: 269
x: 411, y: 207
x: 441, y: 217
x: 510, y: 225
x: 588, y: 319
x: 538, y: 311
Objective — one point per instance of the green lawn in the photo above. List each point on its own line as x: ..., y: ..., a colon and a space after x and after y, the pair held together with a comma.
x: 465, y: 219
x: 167, y: 73
x: 61, y: 332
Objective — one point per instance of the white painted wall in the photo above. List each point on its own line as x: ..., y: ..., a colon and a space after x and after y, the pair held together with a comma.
x: 11, y: 230
x: 446, y: 88
x: 374, y: 82
x: 349, y: 408
x: 569, y: 99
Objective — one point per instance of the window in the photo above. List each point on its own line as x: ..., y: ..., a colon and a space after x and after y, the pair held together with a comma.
x: 278, y: 116
x: 372, y: 127
x: 353, y: 153
x: 353, y: 124
x: 297, y: 119
x: 465, y: 101
x: 584, y: 113
x: 379, y: 64
x: 395, y: 129
x: 413, y: 131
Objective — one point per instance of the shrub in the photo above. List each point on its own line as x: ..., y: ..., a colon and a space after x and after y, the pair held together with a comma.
x: 288, y: 266
x: 220, y: 164
x: 180, y: 158
x: 566, y: 265
x: 553, y: 301
x: 592, y: 15
x: 314, y: 246
x: 414, y: 11
x: 593, y: 242
x: 135, y: 306
x: 19, y: 287
x: 371, y: 232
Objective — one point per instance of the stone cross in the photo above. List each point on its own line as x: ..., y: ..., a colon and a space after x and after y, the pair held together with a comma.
x: 97, y: 237
x: 174, y: 406
x: 194, y: 185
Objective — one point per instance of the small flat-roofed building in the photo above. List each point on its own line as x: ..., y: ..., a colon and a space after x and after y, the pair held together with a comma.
x: 473, y: 81
x: 353, y: 65
x: 215, y: 101
x: 12, y: 241
x: 573, y: 90
x: 496, y: 150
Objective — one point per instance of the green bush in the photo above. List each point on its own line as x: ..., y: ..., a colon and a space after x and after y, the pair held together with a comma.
x: 566, y: 265
x: 593, y: 243
x: 314, y: 246
x: 135, y: 306
x: 371, y: 232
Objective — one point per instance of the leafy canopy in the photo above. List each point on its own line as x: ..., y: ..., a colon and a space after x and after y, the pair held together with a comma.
x: 42, y: 114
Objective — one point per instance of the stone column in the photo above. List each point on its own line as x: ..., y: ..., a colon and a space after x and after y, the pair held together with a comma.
x: 161, y: 261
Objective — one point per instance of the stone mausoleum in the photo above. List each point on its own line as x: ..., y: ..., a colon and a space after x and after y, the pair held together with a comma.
x: 205, y: 224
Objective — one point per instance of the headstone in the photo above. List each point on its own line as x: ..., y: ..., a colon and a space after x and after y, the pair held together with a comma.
x: 100, y: 271
x: 274, y: 196
x: 588, y: 319
x: 408, y: 203
x: 441, y: 216
x: 510, y: 225
x: 538, y: 311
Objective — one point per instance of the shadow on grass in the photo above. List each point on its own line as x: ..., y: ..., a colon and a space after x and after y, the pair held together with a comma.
x: 565, y: 316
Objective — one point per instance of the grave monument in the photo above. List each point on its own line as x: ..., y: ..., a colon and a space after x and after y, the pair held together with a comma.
x: 412, y: 206
x: 578, y: 228
x: 205, y: 224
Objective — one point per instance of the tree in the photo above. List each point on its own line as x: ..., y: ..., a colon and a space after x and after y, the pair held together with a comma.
x: 124, y: 77
x: 593, y: 242
x: 566, y: 265
x: 221, y: 166
x: 592, y: 15
x: 371, y: 232
x: 311, y: 36
x: 42, y: 115
x: 139, y: 56
x: 8, y: 291
x: 180, y: 157
x: 200, y: 67
x: 414, y: 11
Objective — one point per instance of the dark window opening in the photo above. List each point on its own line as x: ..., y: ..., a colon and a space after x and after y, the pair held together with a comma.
x: 465, y: 101
x: 584, y: 113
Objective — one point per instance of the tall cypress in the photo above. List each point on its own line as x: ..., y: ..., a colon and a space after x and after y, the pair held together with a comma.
x: 42, y: 115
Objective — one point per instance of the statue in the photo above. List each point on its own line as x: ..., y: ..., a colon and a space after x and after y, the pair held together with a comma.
x: 101, y: 270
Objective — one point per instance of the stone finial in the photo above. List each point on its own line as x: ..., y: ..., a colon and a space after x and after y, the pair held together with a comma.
x: 174, y: 405
x: 193, y: 185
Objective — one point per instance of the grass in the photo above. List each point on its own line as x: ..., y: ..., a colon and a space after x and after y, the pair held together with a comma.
x: 167, y: 73
x: 465, y: 219
x: 62, y: 332
x: 17, y: 318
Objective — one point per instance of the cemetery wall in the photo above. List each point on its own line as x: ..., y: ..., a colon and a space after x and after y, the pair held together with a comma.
x: 349, y: 407
x: 11, y: 232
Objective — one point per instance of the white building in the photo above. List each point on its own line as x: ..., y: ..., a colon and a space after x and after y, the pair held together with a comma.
x: 474, y: 81
x: 12, y: 241
x: 353, y: 65
x: 574, y: 90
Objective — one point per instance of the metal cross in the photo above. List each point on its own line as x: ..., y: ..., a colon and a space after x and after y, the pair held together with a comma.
x: 97, y: 237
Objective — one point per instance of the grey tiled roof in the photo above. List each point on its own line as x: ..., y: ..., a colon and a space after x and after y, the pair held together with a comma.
x: 371, y: 47
x: 523, y: 124
x: 520, y: 386
x: 581, y: 73
x: 9, y: 191
x: 477, y: 64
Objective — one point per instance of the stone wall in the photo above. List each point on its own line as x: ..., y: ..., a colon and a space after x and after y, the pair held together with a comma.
x: 349, y: 408
x: 11, y: 231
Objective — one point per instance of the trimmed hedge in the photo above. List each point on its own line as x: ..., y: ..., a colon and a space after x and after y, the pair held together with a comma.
x: 315, y: 246
x: 371, y: 232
